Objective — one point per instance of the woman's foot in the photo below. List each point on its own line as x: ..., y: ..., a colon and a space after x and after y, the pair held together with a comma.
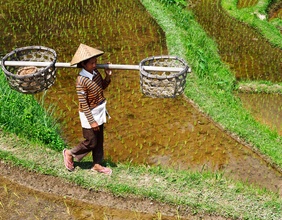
x: 68, y: 160
x: 100, y: 169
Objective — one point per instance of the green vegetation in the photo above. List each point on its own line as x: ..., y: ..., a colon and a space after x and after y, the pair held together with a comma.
x: 256, y: 16
x: 254, y: 13
x: 212, y: 83
x: 211, y: 86
x: 259, y: 87
x: 193, y: 192
x: 23, y: 115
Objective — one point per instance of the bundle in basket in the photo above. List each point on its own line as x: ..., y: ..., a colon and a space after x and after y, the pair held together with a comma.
x: 163, y: 84
x: 30, y: 79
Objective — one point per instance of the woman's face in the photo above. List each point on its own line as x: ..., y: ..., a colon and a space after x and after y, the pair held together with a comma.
x: 90, y: 65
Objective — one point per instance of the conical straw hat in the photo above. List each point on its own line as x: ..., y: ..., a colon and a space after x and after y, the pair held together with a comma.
x: 84, y: 52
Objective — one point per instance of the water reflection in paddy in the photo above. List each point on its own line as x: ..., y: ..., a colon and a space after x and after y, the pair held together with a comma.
x: 20, y: 202
x: 266, y: 108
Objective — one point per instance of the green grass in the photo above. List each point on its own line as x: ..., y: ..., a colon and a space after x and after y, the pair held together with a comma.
x: 22, y: 115
x: 260, y: 86
x: 199, y: 192
x: 249, y: 15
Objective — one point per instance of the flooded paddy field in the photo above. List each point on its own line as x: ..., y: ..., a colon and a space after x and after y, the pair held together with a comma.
x: 248, y: 54
x: 27, y: 195
x: 142, y: 130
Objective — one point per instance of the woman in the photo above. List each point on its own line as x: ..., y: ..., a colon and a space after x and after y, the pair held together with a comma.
x: 92, y: 109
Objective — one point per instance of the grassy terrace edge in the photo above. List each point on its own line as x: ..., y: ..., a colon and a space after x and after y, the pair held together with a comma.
x: 268, y: 29
x: 211, y: 84
x: 250, y: 15
x: 202, y: 193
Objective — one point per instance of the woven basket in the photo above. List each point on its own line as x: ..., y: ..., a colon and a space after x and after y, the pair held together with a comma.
x: 30, y: 80
x: 163, y: 84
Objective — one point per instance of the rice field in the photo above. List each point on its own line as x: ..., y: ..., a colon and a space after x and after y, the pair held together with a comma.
x: 246, y: 3
x: 249, y: 55
x: 275, y: 11
x: 20, y: 202
x: 167, y: 132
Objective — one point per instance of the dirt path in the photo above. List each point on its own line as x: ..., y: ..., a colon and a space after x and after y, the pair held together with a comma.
x: 69, y: 201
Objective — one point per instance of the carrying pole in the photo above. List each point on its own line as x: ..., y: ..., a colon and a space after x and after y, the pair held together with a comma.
x: 99, y: 66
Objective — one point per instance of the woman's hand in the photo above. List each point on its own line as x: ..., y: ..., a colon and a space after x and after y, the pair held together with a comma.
x: 108, y: 71
x: 95, y: 126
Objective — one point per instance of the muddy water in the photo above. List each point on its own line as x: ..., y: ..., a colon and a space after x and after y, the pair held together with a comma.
x: 244, y: 4
x: 260, y: 104
x: 275, y: 11
x: 248, y: 54
x: 169, y: 132
x: 20, y: 202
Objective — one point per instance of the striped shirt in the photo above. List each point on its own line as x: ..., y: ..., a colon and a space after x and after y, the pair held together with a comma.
x: 90, y: 93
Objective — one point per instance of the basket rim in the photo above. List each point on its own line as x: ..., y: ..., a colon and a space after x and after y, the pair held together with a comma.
x: 52, y: 63
x: 173, y: 75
